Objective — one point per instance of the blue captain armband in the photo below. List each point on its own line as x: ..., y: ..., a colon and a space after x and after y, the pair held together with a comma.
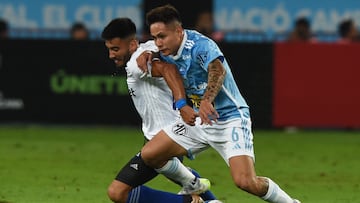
x: 180, y: 103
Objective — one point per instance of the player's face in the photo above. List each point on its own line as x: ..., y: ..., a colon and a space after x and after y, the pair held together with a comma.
x: 120, y: 50
x: 167, y: 37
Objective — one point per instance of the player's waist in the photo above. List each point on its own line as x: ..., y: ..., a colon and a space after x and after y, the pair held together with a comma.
x: 242, y: 112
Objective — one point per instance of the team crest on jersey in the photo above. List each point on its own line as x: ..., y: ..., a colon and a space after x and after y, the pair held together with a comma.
x: 179, y: 129
x: 201, y: 58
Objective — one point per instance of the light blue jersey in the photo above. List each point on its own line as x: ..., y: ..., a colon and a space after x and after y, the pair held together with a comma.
x: 193, y: 58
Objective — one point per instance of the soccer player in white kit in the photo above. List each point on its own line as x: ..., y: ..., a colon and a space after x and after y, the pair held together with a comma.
x: 153, y: 100
x: 225, y: 116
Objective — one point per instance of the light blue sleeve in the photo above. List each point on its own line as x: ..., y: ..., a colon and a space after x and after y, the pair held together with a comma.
x: 205, y: 51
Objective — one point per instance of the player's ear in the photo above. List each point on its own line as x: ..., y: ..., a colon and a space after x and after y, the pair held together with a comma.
x: 179, y: 31
x: 133, y: 45
x: 176, y: 27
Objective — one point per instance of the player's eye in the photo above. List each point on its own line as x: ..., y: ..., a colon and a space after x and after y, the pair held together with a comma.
x: 161, y: 36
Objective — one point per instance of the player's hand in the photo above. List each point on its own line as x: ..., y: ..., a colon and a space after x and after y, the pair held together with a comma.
x: 207, y: 112
x: 196, y: 199
x: 143, y: 60
x: 188, y: 115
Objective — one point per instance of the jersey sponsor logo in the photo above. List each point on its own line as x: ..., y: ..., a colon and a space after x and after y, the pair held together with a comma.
x: 179, y: 129
x: 195, y: 100
x: 201, y: 86
x: 134, y: 166
x: 132, y: 92
x: 186, y: 57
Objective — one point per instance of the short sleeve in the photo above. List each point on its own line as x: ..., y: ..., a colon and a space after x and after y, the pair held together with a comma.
x: 132, y: 67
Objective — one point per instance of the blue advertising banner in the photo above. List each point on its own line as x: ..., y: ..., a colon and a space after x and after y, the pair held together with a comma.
x: 61, y: 14
x: 276, y: 16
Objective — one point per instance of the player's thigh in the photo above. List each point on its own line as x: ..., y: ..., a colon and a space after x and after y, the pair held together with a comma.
x: 162, y: 146
x: 232, y: 139
x: 192, y: 139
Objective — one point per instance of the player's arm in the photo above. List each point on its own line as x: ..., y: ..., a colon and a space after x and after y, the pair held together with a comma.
x: 216, y: 77
x: 173, y: 79
x: 170, y: 73
x: 145, y: 58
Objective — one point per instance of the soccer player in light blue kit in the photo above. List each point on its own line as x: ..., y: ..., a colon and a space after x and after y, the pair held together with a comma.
x: 225, y: 119
x: 120, y: 39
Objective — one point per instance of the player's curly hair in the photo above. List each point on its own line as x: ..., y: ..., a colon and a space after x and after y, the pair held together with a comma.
x: 165, y: 14
x: 119, y: 27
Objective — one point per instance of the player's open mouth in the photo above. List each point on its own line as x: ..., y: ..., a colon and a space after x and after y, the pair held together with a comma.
x: 119, y: 63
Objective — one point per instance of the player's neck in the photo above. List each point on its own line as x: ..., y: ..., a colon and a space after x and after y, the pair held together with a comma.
x: 181, y: 39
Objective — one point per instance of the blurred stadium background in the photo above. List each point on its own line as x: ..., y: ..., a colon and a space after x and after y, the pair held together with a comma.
x: 66, y: 125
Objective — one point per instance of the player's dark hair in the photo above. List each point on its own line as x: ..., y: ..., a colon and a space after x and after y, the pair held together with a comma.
x: 165, y: 14
x: 119, y: 27
x: 345, y: 27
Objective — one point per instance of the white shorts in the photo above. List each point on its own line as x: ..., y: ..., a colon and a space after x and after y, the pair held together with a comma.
x: 229, y: 138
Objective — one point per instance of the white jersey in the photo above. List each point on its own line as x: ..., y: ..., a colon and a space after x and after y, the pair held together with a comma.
x: 152, y: 97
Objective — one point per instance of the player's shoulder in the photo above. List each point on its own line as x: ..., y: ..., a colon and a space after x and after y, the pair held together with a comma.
x: 148, y: 46
x: 193, y: 35
x: 198, y: 40
x: 131, y: 66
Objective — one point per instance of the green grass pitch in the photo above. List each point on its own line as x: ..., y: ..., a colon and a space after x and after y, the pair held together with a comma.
x: 75, y: 164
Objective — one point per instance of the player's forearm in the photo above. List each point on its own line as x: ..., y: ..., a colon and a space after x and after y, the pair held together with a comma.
x: 174, y: 81
x: 216, y: 76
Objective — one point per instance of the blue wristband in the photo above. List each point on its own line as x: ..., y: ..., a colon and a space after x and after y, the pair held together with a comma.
x: 180, y: 103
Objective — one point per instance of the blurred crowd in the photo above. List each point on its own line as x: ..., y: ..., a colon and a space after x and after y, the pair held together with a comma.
x: 79, y: 31
x: 347, y: 31
x: 4, y: 29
